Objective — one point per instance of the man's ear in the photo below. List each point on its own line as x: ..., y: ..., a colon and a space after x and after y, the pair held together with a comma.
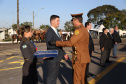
x: 77, y: 20
x: 51, y: 21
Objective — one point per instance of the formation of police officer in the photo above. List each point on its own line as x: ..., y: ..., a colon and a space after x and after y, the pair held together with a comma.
x: 80, y: 43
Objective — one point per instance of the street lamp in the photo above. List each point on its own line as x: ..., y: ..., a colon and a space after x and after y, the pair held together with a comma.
x: 34, y: 15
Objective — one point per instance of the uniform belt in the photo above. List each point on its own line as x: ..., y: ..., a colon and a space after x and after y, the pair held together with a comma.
x: 25, y: 59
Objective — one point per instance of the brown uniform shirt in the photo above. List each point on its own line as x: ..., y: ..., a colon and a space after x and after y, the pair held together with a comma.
x: 80, y: 40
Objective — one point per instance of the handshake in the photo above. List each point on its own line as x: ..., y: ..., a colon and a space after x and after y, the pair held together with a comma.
x: 52, y: 43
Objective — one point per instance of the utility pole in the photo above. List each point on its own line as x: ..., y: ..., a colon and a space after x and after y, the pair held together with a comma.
x: 17, y: 14
x: 33, y: 19
x: 13, y: 19
x: 34, y: 15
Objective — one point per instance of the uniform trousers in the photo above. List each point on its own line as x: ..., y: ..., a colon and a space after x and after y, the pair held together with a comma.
x: 87, y: 69
x: 79, y: 73
x: 29, y: 73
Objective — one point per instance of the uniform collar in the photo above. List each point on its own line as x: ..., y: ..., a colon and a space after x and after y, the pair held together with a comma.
x: 79, y: 25
x: 25, y: 39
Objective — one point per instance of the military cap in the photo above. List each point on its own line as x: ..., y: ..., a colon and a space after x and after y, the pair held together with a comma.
x: 76, y: 16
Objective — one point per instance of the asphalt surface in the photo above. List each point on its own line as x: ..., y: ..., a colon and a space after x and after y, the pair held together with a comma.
x: 11, y: 63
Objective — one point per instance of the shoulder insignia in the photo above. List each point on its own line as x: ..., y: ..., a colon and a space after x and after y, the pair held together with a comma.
x: 76, y: 32
x: 24, y: 46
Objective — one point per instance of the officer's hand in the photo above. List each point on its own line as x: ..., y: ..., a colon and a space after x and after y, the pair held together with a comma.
x: 46, y: 57
x: 92, y: 51
x: 66, y: 57
x: 52, y: 43
x: 103, y: 49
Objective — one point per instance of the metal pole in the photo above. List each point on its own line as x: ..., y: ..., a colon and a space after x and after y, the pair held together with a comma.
x: 17, y: 14
x: 33, y: 19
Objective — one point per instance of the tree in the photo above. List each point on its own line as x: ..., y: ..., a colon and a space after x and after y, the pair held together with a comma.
x: 114, y: 19
x: 44, y: 27
x: 108, y: 15
x: 69, y: 26
x: 26, y: 23
x: 99, y: 13
x: 14, y: 26
x: 124, y: 11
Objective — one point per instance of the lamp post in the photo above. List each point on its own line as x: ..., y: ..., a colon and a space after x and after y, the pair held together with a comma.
x: 34, y: 15
x: 17, y: 14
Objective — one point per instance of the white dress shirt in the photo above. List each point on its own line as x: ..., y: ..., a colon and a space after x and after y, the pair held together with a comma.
x: 55, y: 30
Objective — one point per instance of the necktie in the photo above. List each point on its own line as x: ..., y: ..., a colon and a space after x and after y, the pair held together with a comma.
x: 57, y: 33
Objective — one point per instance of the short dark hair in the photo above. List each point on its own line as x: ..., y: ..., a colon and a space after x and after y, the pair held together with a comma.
x: 53, y: 17
x: 22, y: 29
x: 80, y: 19
x: 104, y: 29
x: 87, y: 23
x: 115, y: 26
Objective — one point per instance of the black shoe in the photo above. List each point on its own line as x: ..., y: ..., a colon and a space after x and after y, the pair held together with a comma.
x: 108, y: 61
x: 103, y: 65
x: 115, y: 57
x: 92, y: 75
x: 88, y: 75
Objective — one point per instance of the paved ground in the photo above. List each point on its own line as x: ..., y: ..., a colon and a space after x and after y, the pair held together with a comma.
x: 11, y: 66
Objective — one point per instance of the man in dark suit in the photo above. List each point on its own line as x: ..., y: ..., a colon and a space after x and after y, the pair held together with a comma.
x: 105, y: 46
x: 111, y: 31
x: 91, y: 47
x: 117, y: 40
x: 54, y: 63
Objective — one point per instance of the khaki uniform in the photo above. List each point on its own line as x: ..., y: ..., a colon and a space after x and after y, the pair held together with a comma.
x: 80, y: 40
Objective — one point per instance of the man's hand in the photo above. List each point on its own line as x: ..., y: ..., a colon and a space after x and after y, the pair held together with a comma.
x: 52, y: 43
x: 103, y: 49
x: 92, y: 51
x: 66, y: 57
x: 46, y: 57
x: 115, y: 42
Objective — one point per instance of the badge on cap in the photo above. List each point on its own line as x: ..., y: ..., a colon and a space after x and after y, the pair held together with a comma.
x: 76, y: 32
x: 24, y: 46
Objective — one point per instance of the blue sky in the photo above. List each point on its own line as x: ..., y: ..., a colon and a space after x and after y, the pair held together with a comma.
x: 63, y: 8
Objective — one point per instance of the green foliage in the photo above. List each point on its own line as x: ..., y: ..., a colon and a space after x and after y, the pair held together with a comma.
x: 8, y: 39
x: 26, y: 23
x: 44, y: 27
x: 14, y: 26
x: 69, y: 26
x: 113, y: 19
x: 109, y: 15
x: 124, y: 12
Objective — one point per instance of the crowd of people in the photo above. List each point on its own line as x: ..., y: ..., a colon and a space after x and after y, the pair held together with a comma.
x: 108, y: 41
x: 82, y: 44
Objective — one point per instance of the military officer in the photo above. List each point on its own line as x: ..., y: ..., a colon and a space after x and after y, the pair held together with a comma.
x: 29, y: 75
x: 80, y: 42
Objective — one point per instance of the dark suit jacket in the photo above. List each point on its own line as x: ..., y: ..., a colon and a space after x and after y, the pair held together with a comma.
x: 111, y: 40
x: 116, y: 37
x: 51, y: 35
x: 91, y: 44
x: 105, y: 41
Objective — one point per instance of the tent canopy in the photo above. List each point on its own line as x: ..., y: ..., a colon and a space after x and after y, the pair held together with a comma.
x: 98, y: 28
